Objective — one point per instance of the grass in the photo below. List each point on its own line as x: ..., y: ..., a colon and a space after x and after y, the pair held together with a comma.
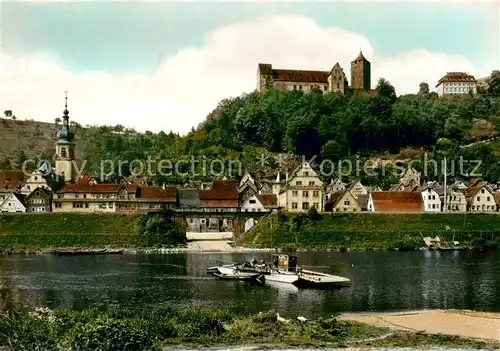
x: 194, y: 327
x: 364, y: 230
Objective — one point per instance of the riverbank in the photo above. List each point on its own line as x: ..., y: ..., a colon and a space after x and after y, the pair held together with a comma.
x: 356, y: 231
x: 467, y: 324
x: 47, y: 231
x: 163, y: 326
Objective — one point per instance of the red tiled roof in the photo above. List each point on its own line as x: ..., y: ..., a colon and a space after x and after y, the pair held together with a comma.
x: 287, y: 75
x: 456, y: 77
x: 267, y: 200
x: 86, y: 179
x: 96, y: 188
x: 221, y: 190
x: 157, y: 193
x: 218, y: 203
x: 11, y: 180
x: 397, y: 201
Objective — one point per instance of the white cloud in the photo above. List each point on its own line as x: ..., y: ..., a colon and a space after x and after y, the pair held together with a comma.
x: 189, y: 84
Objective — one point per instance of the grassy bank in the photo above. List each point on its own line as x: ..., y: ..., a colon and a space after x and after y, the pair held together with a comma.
x: 356, y: 231
x: 152, y: 328
x: 31, y: 232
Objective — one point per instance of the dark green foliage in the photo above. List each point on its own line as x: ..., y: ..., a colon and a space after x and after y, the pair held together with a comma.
x: 33, y: 232
x: 365, y: 230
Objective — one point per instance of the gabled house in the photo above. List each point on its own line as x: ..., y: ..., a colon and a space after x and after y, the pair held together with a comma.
x: 410, y: 179
x: 39, y: 200
x: 395, y: 202
x: 260, y: 203
x: 344, y: 201
x: 458, y: 184
x: 14, y: 202
x: 357, y: 189
x: 247, y: 188
x: 33, y: 181
x: 480, y: 199
x: 455, y: 200
x: 302, y: 191
x: 11, y: 182
x: 336, y: 185
x: 265, y: 188
x: 431, y: 198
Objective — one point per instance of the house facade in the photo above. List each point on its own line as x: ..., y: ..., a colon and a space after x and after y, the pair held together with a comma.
x: 455, y: 200
x: 260, y: 203
x: 303, y: 191
x: 480, y: 199
x: 431, y: 199
x: 456, y: 83
x: 14, y: 202
x: 39, y: 200
x: 344, y: 201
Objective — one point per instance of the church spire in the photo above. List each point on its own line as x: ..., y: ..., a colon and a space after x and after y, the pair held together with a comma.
x: 66, y: 112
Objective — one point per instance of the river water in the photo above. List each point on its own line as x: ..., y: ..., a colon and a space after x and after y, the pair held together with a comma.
x: 381, y: 281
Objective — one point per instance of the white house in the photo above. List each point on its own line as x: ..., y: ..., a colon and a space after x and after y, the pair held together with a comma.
x: 432, y: 200
x: 260, y: 203
x: 480, y: 199
x: 456, y: 83
x: 14, y: 202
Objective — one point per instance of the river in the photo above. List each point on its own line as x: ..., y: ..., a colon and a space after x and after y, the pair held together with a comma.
x: 381, y: 281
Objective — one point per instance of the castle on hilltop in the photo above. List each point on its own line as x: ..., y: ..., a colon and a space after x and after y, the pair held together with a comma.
x: 333, y: 81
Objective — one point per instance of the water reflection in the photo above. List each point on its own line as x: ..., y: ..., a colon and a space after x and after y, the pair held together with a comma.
x: 381, y: 281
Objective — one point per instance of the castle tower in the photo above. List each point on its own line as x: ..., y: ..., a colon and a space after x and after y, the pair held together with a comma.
x: 65, y: 149
x: 360, y: 73
x: 337, y: 81
x: 264, y: 77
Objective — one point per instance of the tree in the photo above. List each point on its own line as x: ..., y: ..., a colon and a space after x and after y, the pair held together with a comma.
x: 7, y: 113
x: 423, y: 88
x: 494, y: 83
x: 384, y: 88
x: 57, y: 120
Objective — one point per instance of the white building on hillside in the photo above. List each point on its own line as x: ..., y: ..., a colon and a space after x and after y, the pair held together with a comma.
x: 432, y: 201
x: 456, y: 83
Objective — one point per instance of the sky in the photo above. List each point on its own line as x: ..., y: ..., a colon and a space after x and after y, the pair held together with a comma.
x: 165, y: 65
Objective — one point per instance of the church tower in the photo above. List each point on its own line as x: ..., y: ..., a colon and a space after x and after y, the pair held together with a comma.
x: 65, y: 149
x: 360, y: 73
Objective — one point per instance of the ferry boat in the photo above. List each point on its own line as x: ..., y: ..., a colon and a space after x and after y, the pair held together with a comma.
x: 284, y: 269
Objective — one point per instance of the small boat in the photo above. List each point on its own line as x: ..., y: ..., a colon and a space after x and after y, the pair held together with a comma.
x: 78, y: 251
x: 238, y: 276
x: 437, y: 244
x: 216, y: 268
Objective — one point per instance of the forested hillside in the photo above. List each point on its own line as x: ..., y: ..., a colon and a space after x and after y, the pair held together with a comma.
x: 331, y: 126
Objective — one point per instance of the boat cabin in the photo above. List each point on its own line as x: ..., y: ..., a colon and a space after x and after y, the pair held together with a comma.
x: 285, y: 262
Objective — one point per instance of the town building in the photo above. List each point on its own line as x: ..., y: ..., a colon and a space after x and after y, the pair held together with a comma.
x: 302, y: 191
x: 14, y: 202
x: 333, y: 81
x: 480, y: 199
x: 345, y: 201
x: 65, y: 150
x: 336, y: 185
x: 10, y: 182
x: 247, y: 187
x: 260, y: 203
x: 456, y: 83
x: 455, y: 200
x: 39, y: 200
x: 431, y: 199
x: 35, y: 180
x: 395, y: 202
x: 357, y: 189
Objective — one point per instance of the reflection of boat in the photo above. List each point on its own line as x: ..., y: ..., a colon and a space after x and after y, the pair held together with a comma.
x: 237, y: 276
x: 86, y: 251
x: 282, y: 287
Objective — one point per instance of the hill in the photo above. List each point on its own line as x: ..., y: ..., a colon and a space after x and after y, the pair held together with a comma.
x: 329, y: 127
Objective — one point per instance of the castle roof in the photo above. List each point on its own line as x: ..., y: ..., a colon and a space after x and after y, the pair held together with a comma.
x: 287, y: 75
x: 360, y: 57
x: 456, y: 77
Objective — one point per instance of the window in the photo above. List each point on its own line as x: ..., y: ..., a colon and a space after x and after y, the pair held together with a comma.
x: 315, y: 193
x: 294, y: 205
x: 298, y: 182
x: 295, y: 193
x: 487, y: 198
x: 316, y: 205
x: 311, y: 182
x: 305, y: 193
x: 306, y: 174
x: 37, y: 194
x: 63, y: 152
x: 305, y: 205
x: 300, y: 87
x: 252, y: 201
x: 347, y: 202
x: 478, y: 198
